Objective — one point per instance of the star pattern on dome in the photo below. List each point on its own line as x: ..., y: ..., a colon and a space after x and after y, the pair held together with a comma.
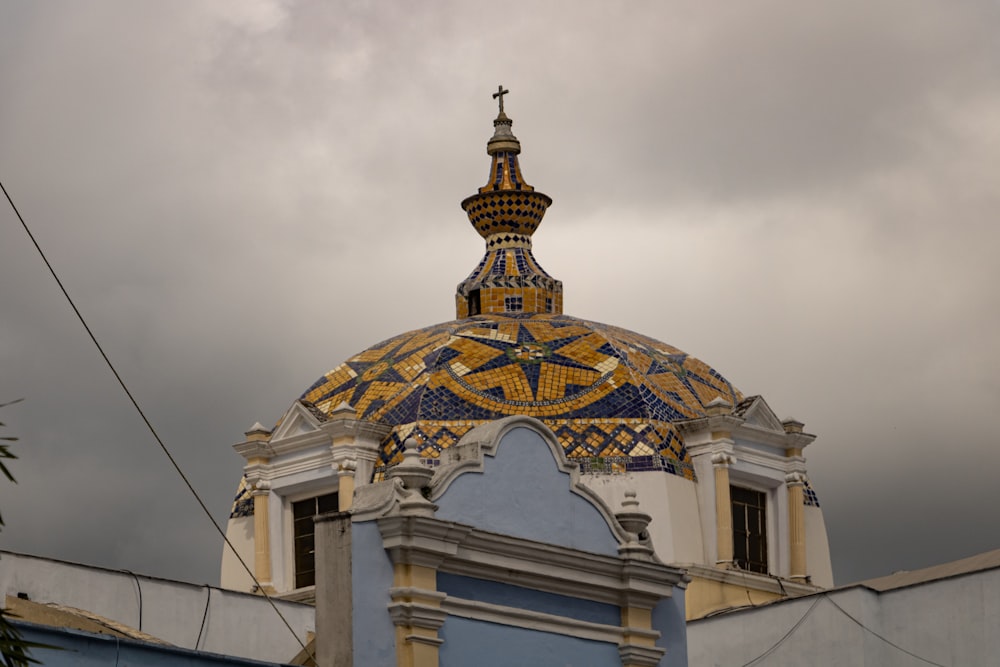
x: 604, y: 391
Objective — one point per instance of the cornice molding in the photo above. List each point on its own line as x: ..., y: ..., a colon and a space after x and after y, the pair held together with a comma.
x: 751, y: 580
x: 540, y: 621
x: 464, y: 550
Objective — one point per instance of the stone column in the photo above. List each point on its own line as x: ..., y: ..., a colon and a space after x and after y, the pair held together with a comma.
x: 723, y: 509
x: 795, y: 482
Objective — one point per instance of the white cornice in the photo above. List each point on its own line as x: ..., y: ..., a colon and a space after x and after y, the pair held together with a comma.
x: 464, y: 550
x: 540, y: 621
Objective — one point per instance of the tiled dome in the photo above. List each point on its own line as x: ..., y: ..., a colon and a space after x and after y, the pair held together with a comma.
x: 605, y: 392
x: 610, y: 395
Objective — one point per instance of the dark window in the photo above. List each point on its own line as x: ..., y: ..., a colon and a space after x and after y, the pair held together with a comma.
x: 304, y: 533
x: 513, y: 304
x: 749, y: 529
x: 474, y: 307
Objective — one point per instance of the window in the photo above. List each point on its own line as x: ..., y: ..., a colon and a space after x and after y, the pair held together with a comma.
x: 749, y: 529
x: 513, y: 304
x: 474, y: 305
x: 304, y: 532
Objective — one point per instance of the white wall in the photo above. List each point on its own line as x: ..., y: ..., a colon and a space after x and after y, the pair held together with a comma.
x: 951, y: 621
x: 237, y: 624
x: 672, y: 502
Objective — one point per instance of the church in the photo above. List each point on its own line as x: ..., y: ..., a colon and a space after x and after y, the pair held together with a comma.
x: 519, y: 485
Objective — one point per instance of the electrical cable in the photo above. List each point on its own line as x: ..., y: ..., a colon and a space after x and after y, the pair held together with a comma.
x: 204, y: 616
x: 869, y: 630
x: 826, y: 596
x: 138, y: 587
x: 149, y: 424
x: 788, y: 634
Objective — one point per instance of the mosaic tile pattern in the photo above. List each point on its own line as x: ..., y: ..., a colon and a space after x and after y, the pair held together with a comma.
x: 509, y: 211
x: 606, y: 392
x: 809, y: 498
x: 243, y: 502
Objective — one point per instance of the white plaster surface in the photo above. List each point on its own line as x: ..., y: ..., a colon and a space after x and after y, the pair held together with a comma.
x: 672, y: 502
x: 950, y: 621
x: 237, y: 624
x: 239, y: 531
x: 818, y: 563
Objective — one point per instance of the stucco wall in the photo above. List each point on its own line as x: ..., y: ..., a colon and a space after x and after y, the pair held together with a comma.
x: 79, y: 649
x: 949, y: 622
x: 374, y: 633
x: 818, y: 563
x: 469, y: 642
x: 672, y: 502
x: 523, y: 494
x: 492, y: 592
x: 668, y: 618
x: 239, y: 531
x: 237, y: 624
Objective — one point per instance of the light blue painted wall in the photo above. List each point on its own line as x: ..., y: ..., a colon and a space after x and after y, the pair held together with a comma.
x: 480, y: 590
x: 670, y: 620
x: 371, y: 574
x: 523, y: 494
x: 83, y: 649
x: 468, y: 642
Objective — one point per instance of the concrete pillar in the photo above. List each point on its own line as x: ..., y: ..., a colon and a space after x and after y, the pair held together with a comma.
x: 334, y: 593
x: 796, y: 526
x: 723, y: 509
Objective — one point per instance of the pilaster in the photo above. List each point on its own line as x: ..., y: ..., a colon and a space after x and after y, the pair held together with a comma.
x: 261, y: 533
x: 721, y: 462
x: 795, y: 482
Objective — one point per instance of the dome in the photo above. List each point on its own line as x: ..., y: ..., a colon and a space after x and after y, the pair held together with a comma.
x: 604, y: 391
x: 611, y: 396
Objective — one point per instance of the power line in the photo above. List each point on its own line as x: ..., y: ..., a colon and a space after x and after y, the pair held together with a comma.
x: 826, y: 596
x: 869, y: 630
x: 145, y: 419
x: 788, y: 634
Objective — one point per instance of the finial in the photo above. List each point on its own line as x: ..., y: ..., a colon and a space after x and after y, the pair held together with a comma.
x: 499, y: 94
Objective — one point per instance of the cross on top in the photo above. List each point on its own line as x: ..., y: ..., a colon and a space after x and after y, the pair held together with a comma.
x: 499, y: 94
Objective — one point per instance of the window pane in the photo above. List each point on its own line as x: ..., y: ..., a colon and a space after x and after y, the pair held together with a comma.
x: 749, y: 529
x: 327, y: 503
x: 304, y: 532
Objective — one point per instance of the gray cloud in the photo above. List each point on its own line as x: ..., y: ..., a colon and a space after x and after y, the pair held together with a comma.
x: 240, y: 195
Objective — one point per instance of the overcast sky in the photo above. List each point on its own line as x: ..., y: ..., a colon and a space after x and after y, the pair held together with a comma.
x: 242, y: 194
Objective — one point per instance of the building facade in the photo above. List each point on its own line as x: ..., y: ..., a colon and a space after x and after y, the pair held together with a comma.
x: 722, y: 478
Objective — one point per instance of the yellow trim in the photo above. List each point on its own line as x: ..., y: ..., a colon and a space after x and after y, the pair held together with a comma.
x: 796, y: 532
x: 703, y: 596
x: 262, y: 539
x: 723, y: 517
x: 410, y: 650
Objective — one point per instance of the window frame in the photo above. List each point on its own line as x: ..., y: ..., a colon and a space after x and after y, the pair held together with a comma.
x: 294, y: 538
x: 765, y: 516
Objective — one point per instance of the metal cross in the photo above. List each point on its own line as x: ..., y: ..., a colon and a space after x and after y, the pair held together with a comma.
x: 500, y: 93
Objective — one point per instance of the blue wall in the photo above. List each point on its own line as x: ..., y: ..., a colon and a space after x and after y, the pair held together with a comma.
x: 468, y: 642
x: 83, y: 649
x: 669, y: 619
x: 523, y: 493
x: 371, y: 575
x: 480, y: 590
